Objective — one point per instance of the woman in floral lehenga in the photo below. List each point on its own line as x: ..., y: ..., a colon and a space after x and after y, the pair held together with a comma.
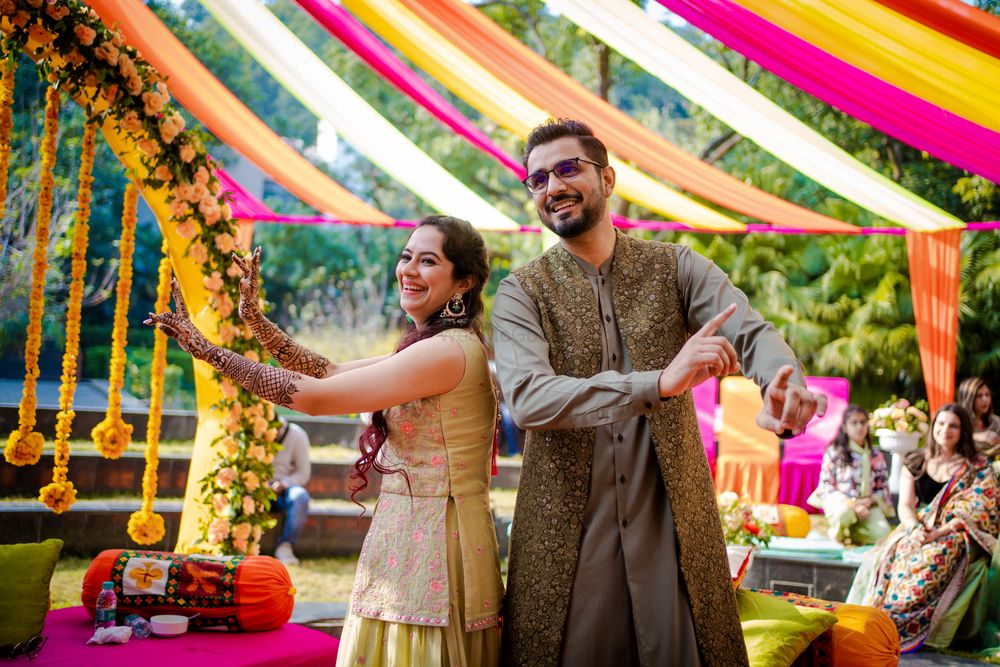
x: 428, y: 590
x: 918, y: 573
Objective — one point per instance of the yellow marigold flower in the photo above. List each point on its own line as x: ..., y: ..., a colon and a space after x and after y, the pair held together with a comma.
x: 111, y: 437
x: 146, y: 527
x: 58, y: 495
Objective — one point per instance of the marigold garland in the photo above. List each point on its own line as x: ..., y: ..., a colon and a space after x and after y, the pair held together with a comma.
x: 24, y: 446
x: 94, y: 64
x: 145, y: 526
x: 6, y: 125
x: 112, y: 435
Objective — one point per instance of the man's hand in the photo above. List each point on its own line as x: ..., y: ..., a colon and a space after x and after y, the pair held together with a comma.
x: 178, y: 325
x: 788, y: 407
x: 277, y: 486
x: 704, y: 355
x: 249, y: 308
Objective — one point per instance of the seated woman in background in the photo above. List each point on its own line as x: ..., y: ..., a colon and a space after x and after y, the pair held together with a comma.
x: 918, y: 573
x: 853, y: 489
x: 975, y: 397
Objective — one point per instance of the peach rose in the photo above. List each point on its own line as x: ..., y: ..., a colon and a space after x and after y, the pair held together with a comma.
x: 230, y: 445
x: 187, y: 153
x: 240, y: 546
x: 227, y: 211
x: 57, y: 12
x: 225, y: 477
x: 179, y: 210
x: 126, y: 67
x: 74, y: 57
x: 218, y: 530
x: 161, y: 88
x: 213, y: 282
x: 198, y: 192
x: 131, y: 122
x: 152, y: 103
x: 259, y: 426
x: 197, y: 252
x: 251, y: 355
x: 84, y: 34
x: 39, y: 34
x: 162, y: 173
x: 148, y: 146
x: 202, y: 176
x: 229, y: 389
x: 186, y: 230
x: 220, y: 502
x: 8, y: 7
x: 225, y: 242
x: 133, y: 85
x: 107, y: 52
x: 248, y: 505
x: 256, y: 533
x: 21, y: 18
x: 184, y: 191
x: 225, y: 306
x: 250, y: 481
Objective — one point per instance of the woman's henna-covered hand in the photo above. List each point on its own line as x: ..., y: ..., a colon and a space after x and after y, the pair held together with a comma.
x: 280, y: 345
x: 273, y: 384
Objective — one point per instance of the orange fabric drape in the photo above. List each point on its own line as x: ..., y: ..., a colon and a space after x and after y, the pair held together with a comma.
x: 551, y: 89
x: 934, y: 275
x: 228, y: 118
x: 970, y: 25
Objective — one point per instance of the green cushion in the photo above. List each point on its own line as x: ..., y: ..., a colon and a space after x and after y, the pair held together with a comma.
x: 777, y: 632
x: 25, y: 570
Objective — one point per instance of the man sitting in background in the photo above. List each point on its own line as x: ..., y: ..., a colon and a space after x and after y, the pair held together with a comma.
x: 291, y: 474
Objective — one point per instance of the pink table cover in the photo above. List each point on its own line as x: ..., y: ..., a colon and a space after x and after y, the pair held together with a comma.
x: 291, y: 645
x: 802, y: 458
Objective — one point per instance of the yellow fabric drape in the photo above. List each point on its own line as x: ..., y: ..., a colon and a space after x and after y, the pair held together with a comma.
x: 896, y: 49
x: 228, y: 118
x: 543, y: 84
x: 935, y: 258
x: 481, y: 89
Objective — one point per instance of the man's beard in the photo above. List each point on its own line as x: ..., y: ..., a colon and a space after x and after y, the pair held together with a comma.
x: 570, y: 228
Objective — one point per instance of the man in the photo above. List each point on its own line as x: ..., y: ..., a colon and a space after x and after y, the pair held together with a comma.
x: 291, y: 474
x: 617, y: 555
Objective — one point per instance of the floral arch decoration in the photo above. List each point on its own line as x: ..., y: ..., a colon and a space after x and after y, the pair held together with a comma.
x: 128, y: 100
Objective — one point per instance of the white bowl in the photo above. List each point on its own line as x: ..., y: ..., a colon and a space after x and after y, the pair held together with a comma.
x: 169, y: 625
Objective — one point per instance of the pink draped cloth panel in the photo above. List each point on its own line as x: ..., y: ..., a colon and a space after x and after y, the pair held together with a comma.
x: 291, y: 645
x: 339, y: 23
x: 803, y: 454
x: 885, y: 107
x: 705, y: 403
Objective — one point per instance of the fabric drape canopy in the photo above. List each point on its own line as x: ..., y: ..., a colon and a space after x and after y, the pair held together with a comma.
x: 304, y: 75
x: 226, y: 117
x: 346, y: 28
x: 969, y: 25
x: 896, y: 49
x: 627, y: 29
x: 492, y: 98
x: 850, y: 89
x: 547, y: 86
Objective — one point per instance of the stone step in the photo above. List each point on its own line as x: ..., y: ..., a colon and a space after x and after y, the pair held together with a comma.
x: 91, y: 526
x: 94, y: 475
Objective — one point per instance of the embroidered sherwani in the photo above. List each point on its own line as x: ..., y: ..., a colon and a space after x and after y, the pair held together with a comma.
x: 617, y: 554
x: 428, y: 584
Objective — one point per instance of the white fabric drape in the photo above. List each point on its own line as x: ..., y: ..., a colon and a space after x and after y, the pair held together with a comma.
x: 666, y: 55
x: 321, y: 91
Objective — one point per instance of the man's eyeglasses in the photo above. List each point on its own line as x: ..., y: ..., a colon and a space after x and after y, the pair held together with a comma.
x: 565, y: 170
x: 29, y: 647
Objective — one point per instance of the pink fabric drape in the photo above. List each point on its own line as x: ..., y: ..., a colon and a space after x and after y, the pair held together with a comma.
x: 339, y: 23
x: 883, y: 106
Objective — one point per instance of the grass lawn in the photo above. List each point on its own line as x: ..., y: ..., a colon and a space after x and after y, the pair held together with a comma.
x: 315, y: 580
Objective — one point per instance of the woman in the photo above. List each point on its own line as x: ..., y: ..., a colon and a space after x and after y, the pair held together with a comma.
x: 917, y: 575
x: 975, y: 397
x: 428, y: 588
x: 853, y: 489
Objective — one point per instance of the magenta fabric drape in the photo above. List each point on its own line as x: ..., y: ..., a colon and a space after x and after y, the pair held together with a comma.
x: 883, y: 106
x: 339, y: 23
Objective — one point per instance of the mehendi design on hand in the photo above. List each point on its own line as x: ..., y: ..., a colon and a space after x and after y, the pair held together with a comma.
x: 280, y: 345
x: 273, y: 384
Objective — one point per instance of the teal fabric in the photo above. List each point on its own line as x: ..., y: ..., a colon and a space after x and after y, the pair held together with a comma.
x: 25, y: 570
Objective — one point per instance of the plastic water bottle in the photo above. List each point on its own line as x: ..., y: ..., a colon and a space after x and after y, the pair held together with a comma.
x: 107, y: 606
x: 140, y: 626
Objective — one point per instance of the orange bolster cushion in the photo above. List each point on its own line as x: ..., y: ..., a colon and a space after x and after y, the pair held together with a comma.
x: 243, y: 593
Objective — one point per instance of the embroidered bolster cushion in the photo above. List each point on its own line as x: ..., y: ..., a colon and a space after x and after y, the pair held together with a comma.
x: 242, y: 593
